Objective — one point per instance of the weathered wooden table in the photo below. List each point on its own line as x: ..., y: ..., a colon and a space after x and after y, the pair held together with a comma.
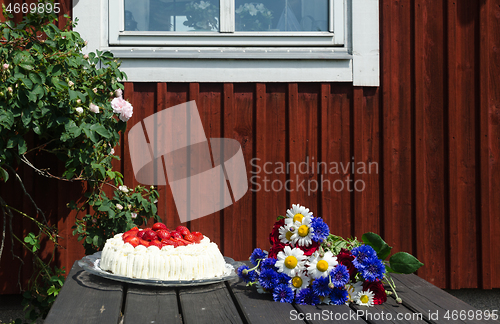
x: 86, y: 298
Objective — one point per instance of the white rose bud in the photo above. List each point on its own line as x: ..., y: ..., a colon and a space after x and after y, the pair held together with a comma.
x: 70, y: 83
x: 119, y: 207
x: 79, y: 110
x: 94, y: 108
x: 123, y: 189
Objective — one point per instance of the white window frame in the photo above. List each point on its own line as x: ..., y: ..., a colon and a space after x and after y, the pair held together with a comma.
x: 348, y: 52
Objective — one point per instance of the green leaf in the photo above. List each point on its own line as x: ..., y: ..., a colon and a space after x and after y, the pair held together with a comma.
x: 35, y: 78
x: 403, y: 262
x: 26, y: 66
x: 6, y: 118
x: 101, y: 130
x: 4, y: 175
x: 27, y: 83
x: 378, y: 244
x: 26, y: 117
x: 95, y: 241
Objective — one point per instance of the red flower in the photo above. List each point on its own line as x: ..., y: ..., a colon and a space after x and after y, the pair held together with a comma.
x: 378, y: 289
x: 310, y: 249
x: 345, y: 257
x: 275, y: 249
x: 275, y: 233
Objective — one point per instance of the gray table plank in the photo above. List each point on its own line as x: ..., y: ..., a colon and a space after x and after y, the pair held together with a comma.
x: 86, y: 298
x: 260, y: 308
x: 335, y: 314
x: 423, y: 297
x: 388, y: 312
x: 144, y: 304
x: 208, y: 304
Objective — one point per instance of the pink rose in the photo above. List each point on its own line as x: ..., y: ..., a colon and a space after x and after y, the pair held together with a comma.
x: 85, y: 56
x: 118, y: 93
x: 122, y: 107
x: 94, y: 108
x: 5, y: 66
x: 9, y: 89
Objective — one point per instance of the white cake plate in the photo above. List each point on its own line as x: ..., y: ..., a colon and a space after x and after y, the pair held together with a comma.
x: 90, y: 263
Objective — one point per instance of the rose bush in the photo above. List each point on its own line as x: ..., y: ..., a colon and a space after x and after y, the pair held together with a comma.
x: 57, y: 101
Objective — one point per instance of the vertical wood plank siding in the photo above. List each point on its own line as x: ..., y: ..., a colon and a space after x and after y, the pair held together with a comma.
x: 432, y: 128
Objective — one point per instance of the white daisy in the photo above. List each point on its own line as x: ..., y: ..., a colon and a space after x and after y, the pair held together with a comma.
x: 286, y: 233
x: 303, y: 233
x: 260, y: 289
x: 325, y: 300
x: 291, y: 261
x: 365, y: 298
x: 353, y: 289
x: 300, y: 281
x: 297, y: 212
x: 321, y: 266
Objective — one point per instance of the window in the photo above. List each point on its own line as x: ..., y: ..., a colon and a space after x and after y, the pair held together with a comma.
x: 227, y: 22
x: 262, y: 40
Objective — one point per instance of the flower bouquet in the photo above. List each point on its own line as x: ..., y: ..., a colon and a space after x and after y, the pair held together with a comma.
x: 308, y: 265
x: 253, y: 16
x: 202, y: 15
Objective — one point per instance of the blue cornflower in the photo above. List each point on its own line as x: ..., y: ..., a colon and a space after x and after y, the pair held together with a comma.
x: 320, y: 286
x: 268, y: 279
x: 340, y: 275
x: 247, y: 276
x: 362, y: 253
x: 257, y: 255
x: 283, y: 293
x: 339, y: 296
x: 321, y: 230
x: 268, y: 264
x: 373, y: 269
x: 307, y: 297
x: 283, y: 278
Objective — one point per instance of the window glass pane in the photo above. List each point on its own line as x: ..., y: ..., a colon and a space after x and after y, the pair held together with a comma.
x: 172, y: 15
x: 281, y: 15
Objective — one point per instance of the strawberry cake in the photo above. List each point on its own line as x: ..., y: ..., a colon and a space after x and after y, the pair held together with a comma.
x: 158, y: 253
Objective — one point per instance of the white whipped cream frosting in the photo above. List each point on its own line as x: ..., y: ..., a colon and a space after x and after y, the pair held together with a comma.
x: 193, y: 261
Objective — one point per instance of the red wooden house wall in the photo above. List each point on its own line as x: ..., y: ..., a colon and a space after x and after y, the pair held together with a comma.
x: 433, y: 127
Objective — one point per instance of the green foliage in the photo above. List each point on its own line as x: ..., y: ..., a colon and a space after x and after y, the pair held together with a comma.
x: 401, y: 262
x: 49, y: 95
x: 336, y: 243
x: 114, y: 215
x: 378, y: 244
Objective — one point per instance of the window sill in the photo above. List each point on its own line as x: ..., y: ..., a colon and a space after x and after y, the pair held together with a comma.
x: 231, y: 53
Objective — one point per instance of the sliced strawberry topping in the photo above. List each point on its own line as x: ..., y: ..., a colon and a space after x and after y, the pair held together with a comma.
x: 197, y: 236
x: 159, y: 226
x: 133, y: 240
x: 140, y: 234
x: 150, y: 235
x: 144, y: 242
x: 189, y: 237
x: 156, y: 243
x: 175, y: 235
x: 163, y: 234
x: 183, y: 230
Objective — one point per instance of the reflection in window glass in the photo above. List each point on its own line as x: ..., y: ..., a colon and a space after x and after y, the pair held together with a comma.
x: 281, y: 15
x: 172, y: 15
